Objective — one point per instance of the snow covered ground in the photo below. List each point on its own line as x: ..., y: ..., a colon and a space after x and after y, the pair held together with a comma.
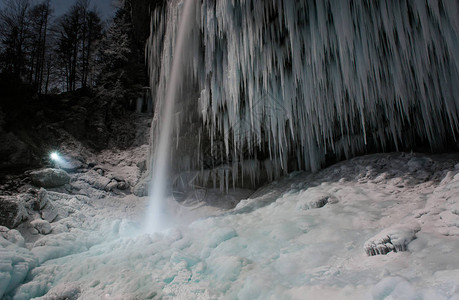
x: 382, y: 226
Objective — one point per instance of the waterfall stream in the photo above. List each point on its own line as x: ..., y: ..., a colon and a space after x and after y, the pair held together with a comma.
x: 155, y: 212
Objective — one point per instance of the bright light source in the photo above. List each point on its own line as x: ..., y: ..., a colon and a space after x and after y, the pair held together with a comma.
x: 54, y: 156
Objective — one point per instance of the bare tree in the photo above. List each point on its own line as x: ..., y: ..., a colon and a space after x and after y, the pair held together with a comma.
x: 15, y: 27
x: 80, y: 28
x: 92, y: 34
x: 39, y: 17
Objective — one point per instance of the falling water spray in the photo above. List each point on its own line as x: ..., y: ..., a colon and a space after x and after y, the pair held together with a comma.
x: 155, y: 219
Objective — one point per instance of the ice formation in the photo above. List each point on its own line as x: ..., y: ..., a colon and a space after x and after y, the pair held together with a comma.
x: 391, y: 239
x: 287, y: 82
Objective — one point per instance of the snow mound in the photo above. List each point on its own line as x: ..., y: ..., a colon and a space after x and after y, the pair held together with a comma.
x: 69, y: 291
x: 220, y: 235
x: 391, y: 239
x: 398, y: 288
x: 15, y: 264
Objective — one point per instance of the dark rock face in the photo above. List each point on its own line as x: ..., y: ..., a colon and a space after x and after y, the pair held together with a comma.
x: 13, y: 150
x: 12, y: 212
x: 49, y: 177
x: 76, y: 123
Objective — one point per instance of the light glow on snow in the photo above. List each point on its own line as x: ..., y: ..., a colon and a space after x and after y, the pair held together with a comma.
x: 55, y: 156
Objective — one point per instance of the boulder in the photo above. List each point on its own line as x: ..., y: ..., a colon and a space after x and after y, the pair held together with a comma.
x: 12, y: 212
x: 49, y: 178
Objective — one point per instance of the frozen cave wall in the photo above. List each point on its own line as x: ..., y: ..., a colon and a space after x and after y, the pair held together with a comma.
x: 275, y: 86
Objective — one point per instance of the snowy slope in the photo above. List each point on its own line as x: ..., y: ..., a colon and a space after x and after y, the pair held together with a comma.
x: 306, y: 236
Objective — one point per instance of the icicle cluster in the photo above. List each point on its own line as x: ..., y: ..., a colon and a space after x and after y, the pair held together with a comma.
x: 283, y: 83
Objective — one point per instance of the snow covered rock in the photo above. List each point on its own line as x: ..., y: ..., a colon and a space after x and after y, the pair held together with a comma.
x: 95, y: 179
x: 111, y: 186
x: 314, y: 198
x: 41, y: 226
x: 12, y: 235
x: 12, y: 212
x: 391, y: 239
x: 49, y: 212
x: 33, y: 199
x: 42, y: 198
x: 141, y: 188
x: 49, y: 178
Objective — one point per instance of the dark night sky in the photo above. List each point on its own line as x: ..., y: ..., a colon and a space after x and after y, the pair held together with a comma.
x: 104, y: 7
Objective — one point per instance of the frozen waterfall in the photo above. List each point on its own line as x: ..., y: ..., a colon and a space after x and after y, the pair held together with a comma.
x: 274, y: 86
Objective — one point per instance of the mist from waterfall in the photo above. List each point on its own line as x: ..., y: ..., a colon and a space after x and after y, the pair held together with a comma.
x: 156, y: 216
